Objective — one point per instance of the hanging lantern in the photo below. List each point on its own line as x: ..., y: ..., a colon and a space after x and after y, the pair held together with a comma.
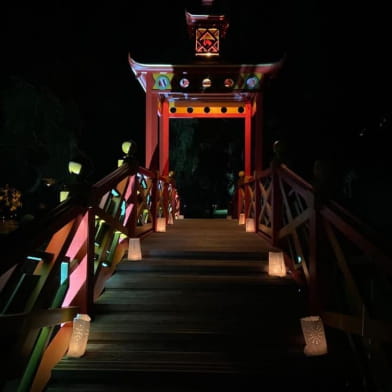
x: 250, y: 226
x: 79, y: 338
x: 276, y: 265
x: 314, y: 334
x: 161, y: 225
x: 134, y: 249
x: 241, y: 219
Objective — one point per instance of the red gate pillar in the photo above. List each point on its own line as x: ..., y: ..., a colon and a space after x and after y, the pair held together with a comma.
x: 248, y: 140
x: 258, y: 134
x: 151, y: 159
x: 164, y: 139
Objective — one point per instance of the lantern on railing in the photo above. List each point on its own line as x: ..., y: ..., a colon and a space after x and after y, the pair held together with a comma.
x: 161, y: 225
x: 74, y: 167
x: 241, y: 219
x: 314, y: 334
x: 134, y: 249
x: 79, y: 338
x: 64, y: 193
x: 276, y: 265
x: 250, y: 226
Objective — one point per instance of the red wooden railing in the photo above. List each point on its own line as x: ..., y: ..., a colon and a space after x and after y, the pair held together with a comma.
x: 342, y: 263
x: 56, y: 266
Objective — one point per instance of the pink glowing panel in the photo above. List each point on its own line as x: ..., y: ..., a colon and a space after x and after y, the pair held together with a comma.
x: 76, y: 281
x: 79, y: 239
x: 128, y: 194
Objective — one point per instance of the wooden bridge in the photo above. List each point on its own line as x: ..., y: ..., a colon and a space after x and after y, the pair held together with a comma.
x: 199, y: 311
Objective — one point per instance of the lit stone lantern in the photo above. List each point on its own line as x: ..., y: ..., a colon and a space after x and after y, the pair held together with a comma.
x: 314, y: 334
x: 134, y: 249
x: 79, y: 338
x: 276, y: 265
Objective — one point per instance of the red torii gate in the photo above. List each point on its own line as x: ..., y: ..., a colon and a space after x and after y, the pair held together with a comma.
x: 204, y: 89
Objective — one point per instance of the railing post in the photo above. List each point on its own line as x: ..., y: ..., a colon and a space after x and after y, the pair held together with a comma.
x: 90, y: 254
x: 165, y: 195
x: 132, y: 220
x: 154, y: 202
x: 257, y: 199
x: 276, y: 202
x: 314, y: 237
x: 240, y: 193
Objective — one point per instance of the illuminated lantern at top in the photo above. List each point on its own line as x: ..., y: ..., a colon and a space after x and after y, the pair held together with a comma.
x: 207, y: 30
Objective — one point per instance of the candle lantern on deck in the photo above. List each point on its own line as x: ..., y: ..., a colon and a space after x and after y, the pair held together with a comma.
x: 314, y: 334
x: 161, y: 225
x: 79, y: 338
x: 241, y: 219
x: 276, y: 265
x: 250, y: 225
x: 134, y: 249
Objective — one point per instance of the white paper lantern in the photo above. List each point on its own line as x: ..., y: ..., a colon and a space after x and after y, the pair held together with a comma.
x: 314, y: 334
x: 276, y: 265
x: 134, y: 249
x: 250, y: 226
x: 79, y: 338
x: 241, y: 219
x: 161, y: 225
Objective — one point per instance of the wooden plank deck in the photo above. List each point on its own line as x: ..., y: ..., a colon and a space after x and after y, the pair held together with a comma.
x: 200, y: 313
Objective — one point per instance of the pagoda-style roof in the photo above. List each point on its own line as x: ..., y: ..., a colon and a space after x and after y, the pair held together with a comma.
x: 195, y: 20
x: 225, y: 78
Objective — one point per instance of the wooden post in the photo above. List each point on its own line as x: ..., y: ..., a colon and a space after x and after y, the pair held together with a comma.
x: 164, y: 139
x: 248, y: 140
x: 314, y: 234
x: 154, y: 201
x: 89, y: 293
x: 151, y: 138
x: 258, y: 133
x: 132, y: 220
x: 276, y: 205
x: 257, y: 200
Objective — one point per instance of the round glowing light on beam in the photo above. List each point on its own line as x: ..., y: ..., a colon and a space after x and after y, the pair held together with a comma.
x: 206, y: 83
x: 228, y: 83
x: 252, y: 82
x: 184, y: 83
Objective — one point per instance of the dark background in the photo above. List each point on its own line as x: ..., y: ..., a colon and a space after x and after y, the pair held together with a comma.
x: 67, y: 89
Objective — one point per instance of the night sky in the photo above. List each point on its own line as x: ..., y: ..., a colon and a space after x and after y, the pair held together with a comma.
x: 331, y: 99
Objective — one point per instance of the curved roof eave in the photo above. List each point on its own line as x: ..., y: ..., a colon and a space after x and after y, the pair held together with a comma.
x: 141, y: 69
